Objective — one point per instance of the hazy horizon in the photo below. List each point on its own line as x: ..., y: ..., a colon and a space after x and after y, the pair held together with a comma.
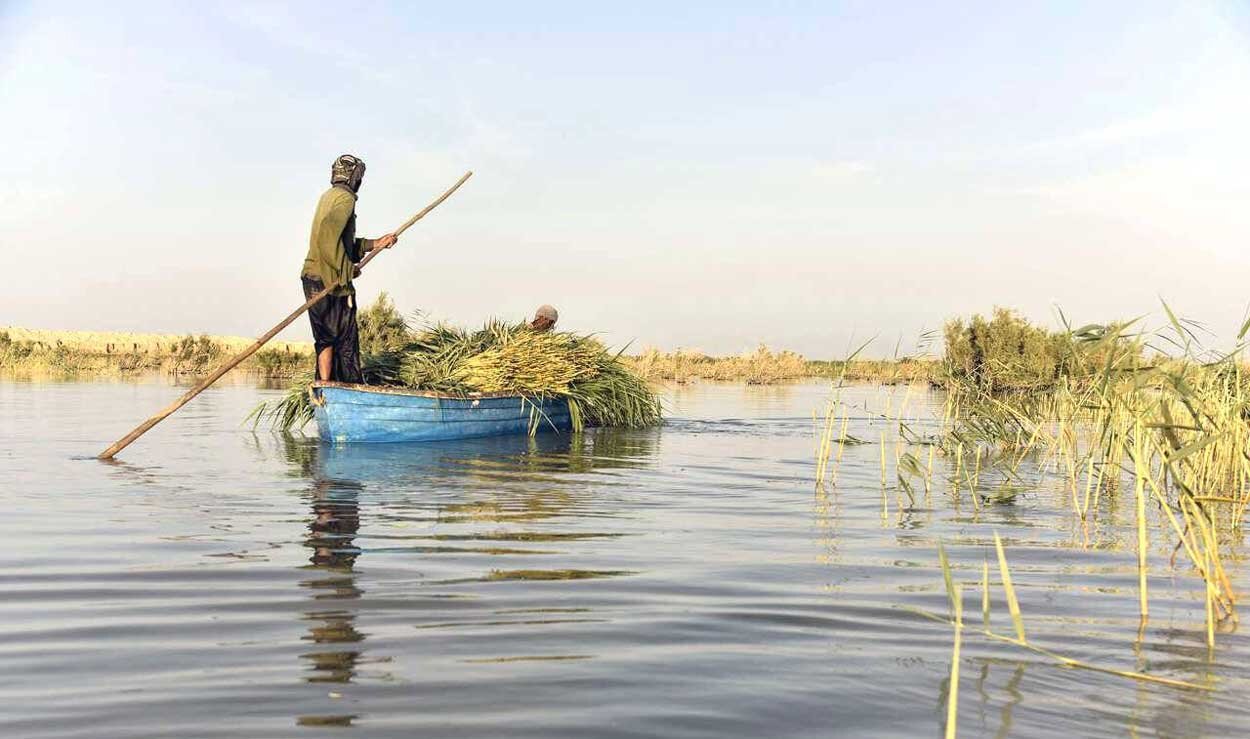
x: 674, y: 176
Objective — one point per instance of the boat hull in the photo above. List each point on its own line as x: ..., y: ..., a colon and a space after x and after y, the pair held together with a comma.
x: 360, y: 413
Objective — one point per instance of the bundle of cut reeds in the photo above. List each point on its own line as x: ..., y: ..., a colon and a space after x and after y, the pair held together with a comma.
x: 497, y: 358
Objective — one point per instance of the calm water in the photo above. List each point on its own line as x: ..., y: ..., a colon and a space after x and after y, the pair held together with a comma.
x: 682, y: 582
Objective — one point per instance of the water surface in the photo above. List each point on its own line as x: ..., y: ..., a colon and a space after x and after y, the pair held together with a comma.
x: 686, y: 581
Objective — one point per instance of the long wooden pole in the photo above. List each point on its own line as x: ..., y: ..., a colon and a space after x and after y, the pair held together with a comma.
x: 168, y: 410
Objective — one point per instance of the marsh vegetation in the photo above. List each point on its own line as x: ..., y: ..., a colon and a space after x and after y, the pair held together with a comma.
x: 764, y: 366
x: 1151, y: 420
x: 79, y: 354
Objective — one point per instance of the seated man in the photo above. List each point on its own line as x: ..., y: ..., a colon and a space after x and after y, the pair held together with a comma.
x: 544, y: 318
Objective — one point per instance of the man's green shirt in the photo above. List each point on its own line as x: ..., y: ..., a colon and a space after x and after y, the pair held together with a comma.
x: 333, y: 248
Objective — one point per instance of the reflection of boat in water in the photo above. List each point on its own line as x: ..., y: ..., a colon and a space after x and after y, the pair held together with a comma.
x: 363, y: 413
x: 519, y: 458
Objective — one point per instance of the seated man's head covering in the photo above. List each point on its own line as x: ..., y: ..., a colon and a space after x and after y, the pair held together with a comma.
x: 544, y: 318
x: 548, y: 312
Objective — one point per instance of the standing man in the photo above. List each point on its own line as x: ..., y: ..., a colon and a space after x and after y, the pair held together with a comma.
x: 333, y: 252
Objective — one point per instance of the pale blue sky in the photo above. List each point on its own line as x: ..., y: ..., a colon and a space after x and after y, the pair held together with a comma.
x: 804, y: 174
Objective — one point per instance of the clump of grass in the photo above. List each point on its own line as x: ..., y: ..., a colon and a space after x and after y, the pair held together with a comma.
x: 281, y: 362
x: 293, y: 411
x: 193, y: 354
x: 382, y: 328
x: 1007, y: 353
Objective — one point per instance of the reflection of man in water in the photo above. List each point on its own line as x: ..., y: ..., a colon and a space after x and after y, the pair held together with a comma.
x: 336, y: 519
x: 331, y: 535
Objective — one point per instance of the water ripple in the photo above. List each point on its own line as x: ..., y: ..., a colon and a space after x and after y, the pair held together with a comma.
x: 687, y: 582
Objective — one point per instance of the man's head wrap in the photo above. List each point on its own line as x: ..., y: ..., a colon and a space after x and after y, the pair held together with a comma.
x: 349, y: 171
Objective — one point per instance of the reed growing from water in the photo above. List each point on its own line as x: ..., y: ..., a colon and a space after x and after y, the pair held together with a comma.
x: 1109, y: 410
x: 1174, y: 424
x: 955, y: 620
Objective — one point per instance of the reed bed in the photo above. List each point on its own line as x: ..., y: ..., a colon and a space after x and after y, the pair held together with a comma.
x: 384, y: 330
x: 760, y: 367
x: 763, y: 366
x: 902, y: 371
x: 1151, y: 417
x: 96, y: 353
x: 1170, y: 428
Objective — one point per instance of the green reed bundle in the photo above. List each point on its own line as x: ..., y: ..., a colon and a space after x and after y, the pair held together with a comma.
x: 530, y: 362
x: 613, y: 396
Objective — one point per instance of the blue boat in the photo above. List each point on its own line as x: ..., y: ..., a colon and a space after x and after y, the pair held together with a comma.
x: 369, y: 413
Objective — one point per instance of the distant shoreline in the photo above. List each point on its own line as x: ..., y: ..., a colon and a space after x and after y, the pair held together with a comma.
x: 122, y: 353
x: 133, y: 341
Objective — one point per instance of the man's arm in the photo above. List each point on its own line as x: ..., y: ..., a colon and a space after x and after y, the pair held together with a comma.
x: 364, y: 246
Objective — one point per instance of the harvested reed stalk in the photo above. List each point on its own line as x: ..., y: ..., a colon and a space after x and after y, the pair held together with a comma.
x: 531, y: 362
x: 1072, y: 662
